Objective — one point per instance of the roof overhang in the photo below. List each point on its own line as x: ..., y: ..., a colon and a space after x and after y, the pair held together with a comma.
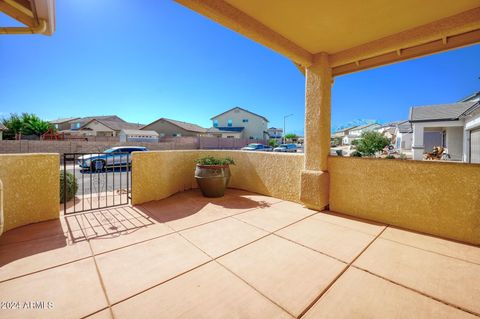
x: 356, y: 35
x: 38, y: 16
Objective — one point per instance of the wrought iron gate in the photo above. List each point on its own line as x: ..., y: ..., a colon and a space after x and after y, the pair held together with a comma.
x: 95, y: 180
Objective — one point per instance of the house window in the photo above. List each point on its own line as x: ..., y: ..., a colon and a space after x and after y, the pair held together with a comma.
x: 229, y: 123
x: 245, y: 120
x: 55, y: 126
x: 215, y: 123
x: 75, y: 126
x: 176, y: 135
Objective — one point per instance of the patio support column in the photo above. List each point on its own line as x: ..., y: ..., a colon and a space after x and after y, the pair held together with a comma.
x: 418, y: 147
x: 315, y: 179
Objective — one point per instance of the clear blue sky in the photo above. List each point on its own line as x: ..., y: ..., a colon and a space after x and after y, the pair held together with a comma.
x: 146, y: 59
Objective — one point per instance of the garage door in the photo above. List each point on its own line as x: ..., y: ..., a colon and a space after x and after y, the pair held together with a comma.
x: 475, y: 146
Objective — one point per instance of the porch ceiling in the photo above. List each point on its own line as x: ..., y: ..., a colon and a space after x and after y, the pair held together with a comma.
x: 37, y: 15
x: 351, y: 32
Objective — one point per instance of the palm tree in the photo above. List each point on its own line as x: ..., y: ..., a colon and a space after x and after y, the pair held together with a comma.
x: 14, y: 125
x: 33, y: 125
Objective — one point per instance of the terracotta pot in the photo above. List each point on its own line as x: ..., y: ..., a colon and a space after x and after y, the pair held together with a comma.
x: 212, y: 179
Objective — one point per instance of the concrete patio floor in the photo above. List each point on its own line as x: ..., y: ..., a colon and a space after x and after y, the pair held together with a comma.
x: 240, y: 256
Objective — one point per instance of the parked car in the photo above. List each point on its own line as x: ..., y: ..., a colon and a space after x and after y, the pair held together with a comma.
x: 118, y: 156
x: 257, y: 147
x: 288, y: 148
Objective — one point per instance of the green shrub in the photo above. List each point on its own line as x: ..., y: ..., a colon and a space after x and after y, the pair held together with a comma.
x: 390, y: 157
x: 72, y: 187
x: 356, y: 154
x: 273, y: 143
x: 371, y: 142
x: 210, y: 160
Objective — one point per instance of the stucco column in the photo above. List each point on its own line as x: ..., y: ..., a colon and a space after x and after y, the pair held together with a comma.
x: 315, y: 178
x: 418, y: 148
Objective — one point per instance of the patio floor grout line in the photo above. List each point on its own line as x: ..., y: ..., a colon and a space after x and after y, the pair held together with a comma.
x: 417, y: 291
x: 431, y: 251
x: 230, y: 271
x: 100, y: 278
x: 340, y: 274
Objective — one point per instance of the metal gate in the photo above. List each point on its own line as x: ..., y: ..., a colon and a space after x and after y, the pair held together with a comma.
x: 94, y: 181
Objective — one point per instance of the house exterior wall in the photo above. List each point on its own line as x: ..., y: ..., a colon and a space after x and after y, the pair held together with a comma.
x: 254, y: 128
x: 404, y: 141
x: 97, y: 129
x: 62, y: 126
x: 167, y: 129
x: 454, y: 142
x: 30, y: 188
x: 437, y: 198
x: 157, y: 175
x: 419, y: 129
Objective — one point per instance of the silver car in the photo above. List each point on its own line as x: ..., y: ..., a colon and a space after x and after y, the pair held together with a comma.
x: 115, y: 156
x: 288, y: 148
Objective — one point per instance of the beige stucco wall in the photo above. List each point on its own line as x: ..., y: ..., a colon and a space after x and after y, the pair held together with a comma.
x: 437, y: 198
x: 98, y: 129
x: 166, y: 129
x: 157, y: 175
x: 255, y: 127
x: 30, y: 188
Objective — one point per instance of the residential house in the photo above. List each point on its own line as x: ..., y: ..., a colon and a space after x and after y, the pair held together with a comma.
x: 240, y: 120
x: 2, y: 128
x: 356, y: 132
x: 275, y: 133
x: 172, y: 128
x: 102, y: 125
x: 63, y: 124
x: 455, y: 126
x: 340, y: 134
x: 138, y: 136
x: 403, y: 136
x: 226, y: 133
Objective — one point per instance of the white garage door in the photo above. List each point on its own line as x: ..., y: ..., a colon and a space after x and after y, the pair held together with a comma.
x: 475, y: 146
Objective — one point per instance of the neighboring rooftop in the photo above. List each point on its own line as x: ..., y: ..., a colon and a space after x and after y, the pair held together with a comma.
x: 184, y: 125
x: 439, y: 112
x: 64, y: 120
x: 2, y: 127
x: 239, y: 108
x: 346, y: 129
x: 405, y: 127
x: 361, y: 127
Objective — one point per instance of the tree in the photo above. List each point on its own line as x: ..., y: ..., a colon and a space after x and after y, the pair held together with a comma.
x: 273, y: 143
x: 371, y: 142
x: 33, y: 125
x: 291, y: 136
x: 27, y: 124
x: 14, y: 125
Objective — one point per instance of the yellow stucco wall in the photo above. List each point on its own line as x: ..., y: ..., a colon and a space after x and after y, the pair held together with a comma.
x: 157, y: 175
x: 437, y: 198
x: 30, y: 188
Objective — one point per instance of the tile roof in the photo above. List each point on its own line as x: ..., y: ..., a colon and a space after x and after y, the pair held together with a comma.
x: 239, y: 108
x: 60, y: 121
x: 405, y: 127
x: 439, y: 112
x: 184, y: 125
x: 231, y: 129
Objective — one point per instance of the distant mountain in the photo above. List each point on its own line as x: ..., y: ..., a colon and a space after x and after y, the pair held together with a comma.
x: 356, y: 122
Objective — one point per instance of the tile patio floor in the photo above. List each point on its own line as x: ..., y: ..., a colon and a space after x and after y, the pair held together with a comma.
x: 241, y: 256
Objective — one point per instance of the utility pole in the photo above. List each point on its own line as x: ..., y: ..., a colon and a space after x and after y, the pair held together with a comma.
x: 284, y: 129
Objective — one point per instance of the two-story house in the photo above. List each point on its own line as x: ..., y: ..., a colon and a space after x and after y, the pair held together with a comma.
x: 240, y: 123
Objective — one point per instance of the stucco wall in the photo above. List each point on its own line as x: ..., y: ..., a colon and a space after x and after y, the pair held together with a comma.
x: 30, y: 188
x: 157, y: 175
x: 438, y: 198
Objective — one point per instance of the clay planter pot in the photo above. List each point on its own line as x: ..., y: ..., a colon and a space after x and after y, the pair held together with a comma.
x: 212, y: 179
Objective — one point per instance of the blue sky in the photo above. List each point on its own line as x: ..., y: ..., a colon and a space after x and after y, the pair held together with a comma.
x: 146, y: 59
